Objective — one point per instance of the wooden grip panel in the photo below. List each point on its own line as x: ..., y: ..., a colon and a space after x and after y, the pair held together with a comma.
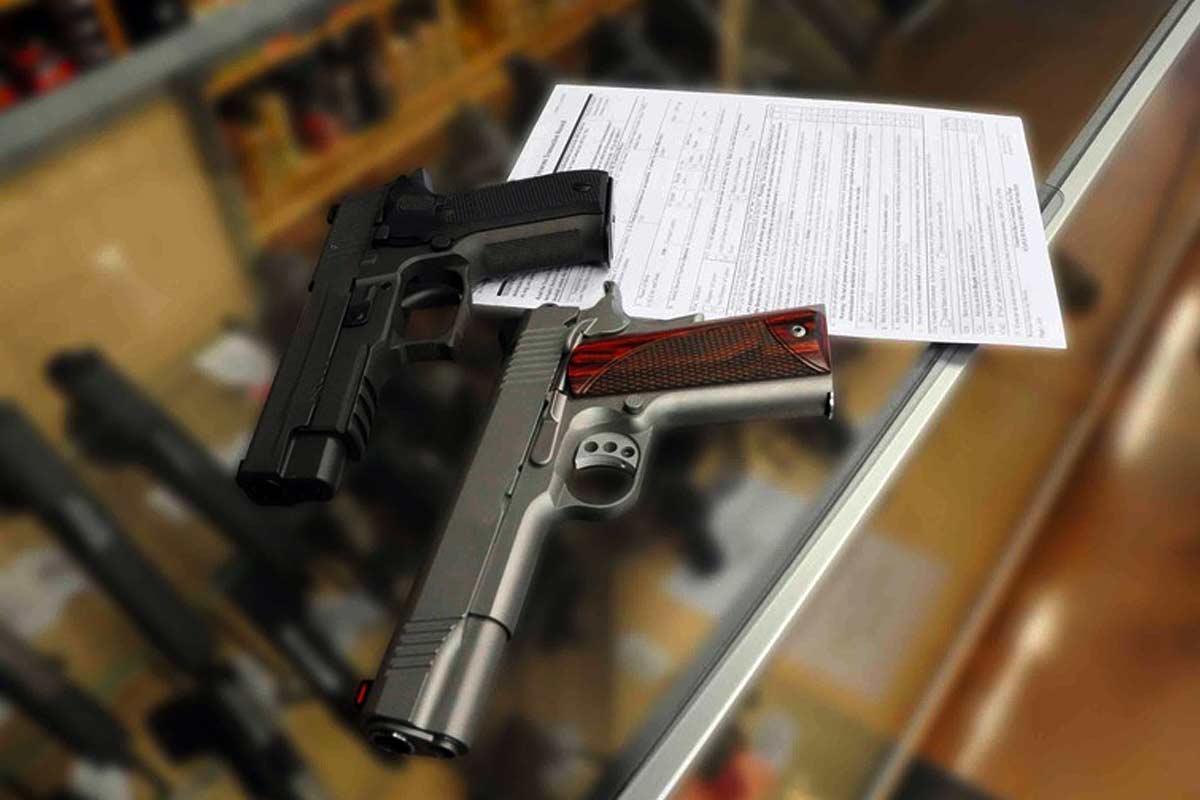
x: 762, y: 347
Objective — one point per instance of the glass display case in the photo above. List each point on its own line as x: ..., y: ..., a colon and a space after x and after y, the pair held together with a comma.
x: 783, y: 612
x: 873, y: 573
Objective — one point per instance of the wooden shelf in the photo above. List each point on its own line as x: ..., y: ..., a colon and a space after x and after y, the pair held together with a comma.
x: 417, y: 119
x: 286, y: 46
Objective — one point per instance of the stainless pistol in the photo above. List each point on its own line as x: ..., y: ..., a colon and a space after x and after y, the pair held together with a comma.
x: 573, y: 426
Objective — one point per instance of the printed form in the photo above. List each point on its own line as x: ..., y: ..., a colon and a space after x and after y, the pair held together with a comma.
x: 907, y: 223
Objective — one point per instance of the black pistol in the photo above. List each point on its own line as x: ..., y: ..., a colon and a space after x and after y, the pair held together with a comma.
x: 390, y: 252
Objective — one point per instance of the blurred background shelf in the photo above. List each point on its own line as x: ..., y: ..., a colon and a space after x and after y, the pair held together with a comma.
x: 417, y: 118
x: 39, y: 119
x: 283, y: 47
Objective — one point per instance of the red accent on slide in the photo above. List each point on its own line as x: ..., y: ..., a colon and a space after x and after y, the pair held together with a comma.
x: 761, y: 347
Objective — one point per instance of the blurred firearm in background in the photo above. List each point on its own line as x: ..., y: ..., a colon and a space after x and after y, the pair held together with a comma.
x: 33, y: 477
x: 116, y: 423
x: 36, y: 684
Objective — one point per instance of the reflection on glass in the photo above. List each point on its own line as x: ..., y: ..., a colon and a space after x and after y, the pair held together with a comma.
x: 864, y: 661
x: 126, y: 237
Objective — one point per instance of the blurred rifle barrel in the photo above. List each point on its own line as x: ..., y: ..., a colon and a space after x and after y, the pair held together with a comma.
x: 116, y: 422
x: 34, y: 477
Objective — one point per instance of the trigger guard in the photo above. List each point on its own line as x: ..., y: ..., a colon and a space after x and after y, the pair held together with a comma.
x: 571, y: 504
x: 584, y: 459
x: 441, y: 348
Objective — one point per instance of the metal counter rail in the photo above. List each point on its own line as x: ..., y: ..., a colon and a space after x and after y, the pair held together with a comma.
x: 667, y: 745
x: 92, y: 98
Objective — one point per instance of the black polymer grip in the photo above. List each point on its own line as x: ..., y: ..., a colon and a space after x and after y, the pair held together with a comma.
x: 37, y: 685
x: 536, y: 223
x: 34, y: 476
x: 537, y: 199
x: 553, y: 220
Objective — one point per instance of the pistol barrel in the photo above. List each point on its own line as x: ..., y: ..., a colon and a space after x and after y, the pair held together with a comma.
x: 439, y: 665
